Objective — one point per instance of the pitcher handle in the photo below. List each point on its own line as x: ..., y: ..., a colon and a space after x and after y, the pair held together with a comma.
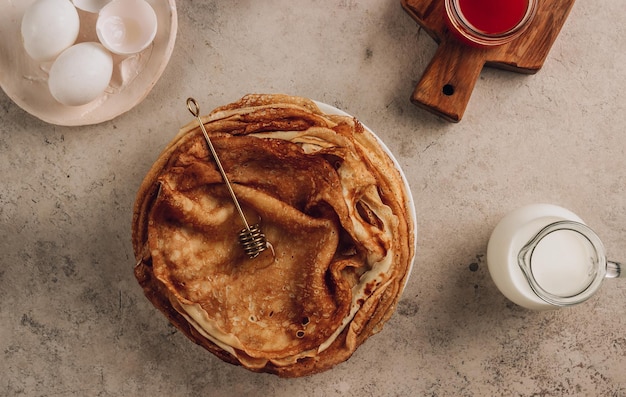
x: 614, y: 269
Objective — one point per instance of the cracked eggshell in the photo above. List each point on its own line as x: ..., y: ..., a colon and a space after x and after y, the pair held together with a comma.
x: 126, y: 27
x: 92, y: 6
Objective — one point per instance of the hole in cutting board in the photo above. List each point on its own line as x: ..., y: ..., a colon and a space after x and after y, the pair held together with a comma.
x: 448, y: 89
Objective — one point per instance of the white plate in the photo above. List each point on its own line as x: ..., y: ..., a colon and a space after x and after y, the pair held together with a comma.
x: 25, y: 81
x: 328, y: 109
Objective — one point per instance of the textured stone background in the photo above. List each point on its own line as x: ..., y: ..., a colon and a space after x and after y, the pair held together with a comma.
x: 73, y: 321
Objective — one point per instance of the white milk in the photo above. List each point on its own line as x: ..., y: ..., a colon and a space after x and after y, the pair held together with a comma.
x: 564, y: 263
x: 563, y: 275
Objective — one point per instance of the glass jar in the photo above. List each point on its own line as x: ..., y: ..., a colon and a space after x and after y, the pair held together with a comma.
x: 488, y: 23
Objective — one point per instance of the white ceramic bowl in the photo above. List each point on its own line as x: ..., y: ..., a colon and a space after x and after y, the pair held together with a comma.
x: 25, y: 80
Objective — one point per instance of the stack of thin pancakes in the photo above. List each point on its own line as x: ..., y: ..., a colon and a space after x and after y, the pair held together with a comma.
x: 329, y: 200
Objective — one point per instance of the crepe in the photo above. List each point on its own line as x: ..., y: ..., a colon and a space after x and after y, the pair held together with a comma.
x: 331, y: 203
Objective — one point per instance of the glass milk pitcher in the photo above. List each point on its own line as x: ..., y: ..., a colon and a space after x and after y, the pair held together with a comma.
x: 543, y: 256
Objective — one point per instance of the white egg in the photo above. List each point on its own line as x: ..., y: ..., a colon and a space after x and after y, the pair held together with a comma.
x: 49, y: 27
x: 80, y: 74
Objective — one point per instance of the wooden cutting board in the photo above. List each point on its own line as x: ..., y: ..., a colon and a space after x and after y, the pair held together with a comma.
x: 447, y: 83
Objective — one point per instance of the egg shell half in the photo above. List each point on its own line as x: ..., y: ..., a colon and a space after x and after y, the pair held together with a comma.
x: 92, y: 6
x: 126, y: 27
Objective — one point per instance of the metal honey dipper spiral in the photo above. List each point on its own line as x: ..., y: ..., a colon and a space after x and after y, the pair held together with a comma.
x: 251, y: 238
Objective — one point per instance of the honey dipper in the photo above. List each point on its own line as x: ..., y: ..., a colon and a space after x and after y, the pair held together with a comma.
x: 251, y: 238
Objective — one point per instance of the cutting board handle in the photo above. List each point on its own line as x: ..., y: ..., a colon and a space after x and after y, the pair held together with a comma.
x: 447, y: 83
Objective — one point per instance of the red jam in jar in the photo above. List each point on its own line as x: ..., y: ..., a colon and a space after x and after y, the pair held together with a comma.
x: 489, y: 22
